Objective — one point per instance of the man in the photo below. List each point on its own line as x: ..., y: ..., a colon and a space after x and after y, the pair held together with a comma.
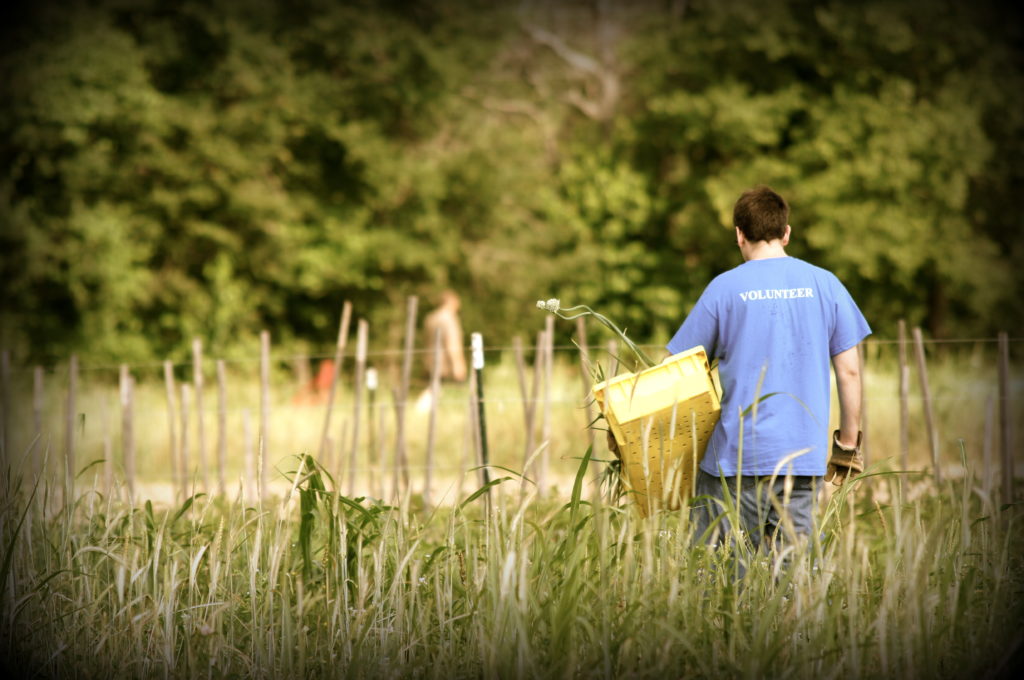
x: 773, y: 323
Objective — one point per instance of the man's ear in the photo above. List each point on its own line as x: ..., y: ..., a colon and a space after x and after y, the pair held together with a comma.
x: 785, y: 237
x: 740, y: 238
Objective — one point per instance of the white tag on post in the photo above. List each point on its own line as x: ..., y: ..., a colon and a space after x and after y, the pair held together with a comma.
x: 477, y: 343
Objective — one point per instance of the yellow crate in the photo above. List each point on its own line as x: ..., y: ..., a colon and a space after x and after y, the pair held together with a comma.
x: 659, y: 418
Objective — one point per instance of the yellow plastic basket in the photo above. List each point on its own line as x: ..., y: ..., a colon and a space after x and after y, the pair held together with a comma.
x: 662, y: 419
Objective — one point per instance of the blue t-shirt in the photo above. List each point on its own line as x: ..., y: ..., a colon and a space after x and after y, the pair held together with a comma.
x: 785, y: 318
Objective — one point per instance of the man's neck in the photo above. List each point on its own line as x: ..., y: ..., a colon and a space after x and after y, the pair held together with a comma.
x: 763, y: 250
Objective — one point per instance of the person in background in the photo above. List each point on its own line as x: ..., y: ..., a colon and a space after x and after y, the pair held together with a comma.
x: 444, y: 319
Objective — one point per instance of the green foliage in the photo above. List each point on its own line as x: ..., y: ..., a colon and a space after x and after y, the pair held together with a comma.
x: 212, y: 168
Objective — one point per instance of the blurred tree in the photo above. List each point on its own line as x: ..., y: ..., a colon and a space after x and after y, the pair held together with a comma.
x: 211, y: 168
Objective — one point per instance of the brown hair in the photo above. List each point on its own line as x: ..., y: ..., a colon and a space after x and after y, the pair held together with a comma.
x: 761, y: 214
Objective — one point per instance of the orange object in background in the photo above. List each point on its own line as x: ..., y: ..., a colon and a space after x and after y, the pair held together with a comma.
x: 317, y: 389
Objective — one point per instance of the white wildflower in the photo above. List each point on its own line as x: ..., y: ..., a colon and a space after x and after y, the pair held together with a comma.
x: 551, y: 305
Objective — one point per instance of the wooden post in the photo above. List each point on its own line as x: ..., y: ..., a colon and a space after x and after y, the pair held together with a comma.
x: 5, y: 399
x: 904, y: 380
x: 403, y: 390
x: 529, y: 397
x: 339, y: 353
x: 545, y: 437
x: 108, y: 445
x: 1005, y: 425
x: 864, y: 441
x: 171, y: 428
x: 435, y: 392
x: 613, y: 358
x: 264, y: 410
x: 248, y: 457
x: 581, y: 332
x: 69, y: 428
x: 222, y: 425
x: 185, y: 454
x: 197, y: 387
x: 986, y: 452
x: 303, y: 372
x: 362, y: 331
x: 127, y: 384
x: 38, y: 403
x: 926, y: 394
x: 373, y: 457
x: 477, y: 341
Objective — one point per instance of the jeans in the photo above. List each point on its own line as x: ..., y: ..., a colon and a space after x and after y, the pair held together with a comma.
x: 768, y: 514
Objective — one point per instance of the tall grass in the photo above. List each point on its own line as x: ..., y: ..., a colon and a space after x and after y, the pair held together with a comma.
x: 925, y: 584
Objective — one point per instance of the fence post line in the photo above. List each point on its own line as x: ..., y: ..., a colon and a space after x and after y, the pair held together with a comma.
x: 904, y: 383
x: 1005, y: 424
x: 926, y: 393
x: 108, y: 444
x: 197, y: 388
x: 264, y: 411
x: 69, y: 428
x: 222, y: 425
x: 373, y: 454
x: 171, y: 427
x: 184, y: 458
x: 248, y: 457
x: 126, y: 385
x: 435, y: 393
x: 339, y: 353
x: 528, y: 401
x: 479, y: 413
x: 548, y: 359
x: 5, y: 398
x: 865, y: 448
x: 401, y: 461
x: 38, y: 403
x: 581, y: 332
x: 362, y: 333
x: 986, y: 445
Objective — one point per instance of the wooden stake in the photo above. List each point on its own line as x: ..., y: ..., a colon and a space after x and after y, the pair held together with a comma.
x: 904, y: 380
x: 613, y: 359
x: 264, y: 410
x: 38, y: 403
x: 126, y: 385
x: 185, y: 454
x: 5, y: 400
x: 545, y: 437
x: 108, y: 445
x: 926, y: 393
x: 435, y: 393
x: 197, y: 386
x: 177, y: 482
x: 248, y: 456
x: 222, y: 426
x: 581, y: 333
x: 375, y: 435
x: 339, y: 353
x: 403, y: 390
x: 986, y: 453
x: 864, y: 447
x: 481, y: 421
x: 1005, y: 424
x: 362, y: 331
x: 529, y: 400
x: 69, y: 427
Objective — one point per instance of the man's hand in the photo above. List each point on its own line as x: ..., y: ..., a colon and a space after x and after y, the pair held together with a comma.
x: 843, y: 461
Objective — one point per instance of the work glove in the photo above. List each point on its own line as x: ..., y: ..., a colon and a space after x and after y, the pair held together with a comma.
x: 843, y: 461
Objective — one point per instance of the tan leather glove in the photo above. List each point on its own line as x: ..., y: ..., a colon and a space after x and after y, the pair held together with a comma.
x: 843, y: 461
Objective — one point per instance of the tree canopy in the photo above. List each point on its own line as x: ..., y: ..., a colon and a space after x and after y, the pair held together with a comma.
x: 180, y: 169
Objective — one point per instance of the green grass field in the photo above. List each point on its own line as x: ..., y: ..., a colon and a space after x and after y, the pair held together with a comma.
x: 907, y: 577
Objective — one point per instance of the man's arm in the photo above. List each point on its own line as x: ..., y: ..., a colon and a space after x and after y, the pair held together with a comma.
x: 847, y: 368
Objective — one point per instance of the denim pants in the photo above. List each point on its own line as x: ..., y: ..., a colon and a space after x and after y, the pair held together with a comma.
x: 769, y: 514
